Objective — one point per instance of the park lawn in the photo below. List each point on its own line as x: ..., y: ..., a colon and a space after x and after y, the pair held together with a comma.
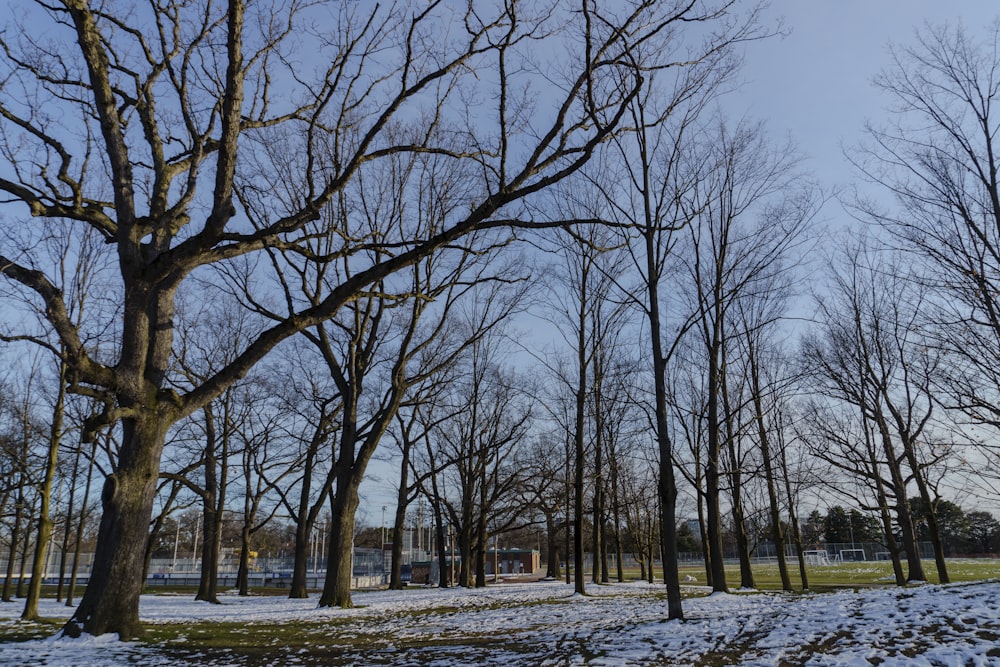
x: 545, y: 623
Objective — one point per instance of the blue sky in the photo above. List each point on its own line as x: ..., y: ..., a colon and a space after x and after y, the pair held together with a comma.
x: 816, y: 83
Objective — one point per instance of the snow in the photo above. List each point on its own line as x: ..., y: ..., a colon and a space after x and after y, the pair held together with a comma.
x: 543, y: 623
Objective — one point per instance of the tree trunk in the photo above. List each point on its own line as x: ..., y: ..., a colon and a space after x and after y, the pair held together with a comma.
x: 777, y: 531
x: 210, y: 517
x: 78, y: 542
x: 793, y: 517
x: 446, y: 564
x: 739, y: 522
x: 398, y: 526
x: 667, y: 482
x: 30, y: 612
x: 23, y: 567
x: 15, y: 538
x: 884, y: 512
x: 616, y: 513
x: 402, y: 500
x: 712, y: 471
x: 208, y: 581
x: 915, y: 568
x: 243, y: 571
x: 934, y: 532
x: 339, y: 573
x: 12, y: 551
x: 552, y: 550
x: 68, y: 526
x: 598, y: 546
x: 706, y: 557
x: 111, y: 600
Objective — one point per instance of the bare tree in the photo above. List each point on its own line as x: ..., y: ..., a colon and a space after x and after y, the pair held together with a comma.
x: 480, y: 442
x: 151, y: 125
x: 869, y: 355
x: 939, y: 159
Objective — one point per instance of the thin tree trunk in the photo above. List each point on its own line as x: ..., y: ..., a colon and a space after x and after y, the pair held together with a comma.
x: 915, y: 568
x: 552, y: 551
x: 777, y: 530
x: 616, y: 513
x: 68, y: 526
x: 402, y: 500
x: 884, y: 512
x: 15, y: 538
x: 78, y: 543
x: 933, y: 530
x: 793, y: 517
x: 22, y: 576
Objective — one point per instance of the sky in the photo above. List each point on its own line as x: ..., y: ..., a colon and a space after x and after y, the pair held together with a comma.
x: 816, y: 83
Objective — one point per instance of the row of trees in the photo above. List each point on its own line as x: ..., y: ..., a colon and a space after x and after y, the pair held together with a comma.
x: 267, y: 242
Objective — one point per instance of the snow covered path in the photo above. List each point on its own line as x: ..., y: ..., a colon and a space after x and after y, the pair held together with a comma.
x: 544, y: 624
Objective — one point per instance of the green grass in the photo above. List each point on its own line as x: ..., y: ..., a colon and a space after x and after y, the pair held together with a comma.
x: 824, y: 578
x: 336, y: 641
x: 861, y: 575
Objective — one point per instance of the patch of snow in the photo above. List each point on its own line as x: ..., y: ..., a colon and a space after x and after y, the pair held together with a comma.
x: 616, y: 624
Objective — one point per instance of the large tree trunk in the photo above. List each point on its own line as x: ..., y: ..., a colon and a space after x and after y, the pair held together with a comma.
x: 339, y: 574
x: 208, y: 581
x: 340, y: 549
x: 111, y: 600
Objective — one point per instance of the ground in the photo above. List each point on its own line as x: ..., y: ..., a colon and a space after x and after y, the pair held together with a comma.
x: 543, y: 623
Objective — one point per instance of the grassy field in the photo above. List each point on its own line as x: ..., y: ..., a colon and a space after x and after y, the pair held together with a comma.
x: 853, y: 575
x: 325, y: 641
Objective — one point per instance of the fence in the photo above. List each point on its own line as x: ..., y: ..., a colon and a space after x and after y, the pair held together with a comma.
x: 369, y: 571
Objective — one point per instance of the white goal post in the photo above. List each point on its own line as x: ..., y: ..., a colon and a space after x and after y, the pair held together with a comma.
x: 816, y: 557
x: 852, y: 555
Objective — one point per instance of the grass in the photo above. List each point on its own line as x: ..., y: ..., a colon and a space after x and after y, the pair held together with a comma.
x: 340, y: 641
x: 860, y: 575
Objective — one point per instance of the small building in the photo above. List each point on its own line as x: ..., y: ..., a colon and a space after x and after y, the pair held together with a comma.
x: 513, y: 561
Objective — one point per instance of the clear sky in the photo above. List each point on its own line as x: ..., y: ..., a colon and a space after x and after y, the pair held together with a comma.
x: 816, y: 83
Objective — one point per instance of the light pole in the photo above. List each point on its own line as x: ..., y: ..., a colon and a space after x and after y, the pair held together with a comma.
x: 383, y: 526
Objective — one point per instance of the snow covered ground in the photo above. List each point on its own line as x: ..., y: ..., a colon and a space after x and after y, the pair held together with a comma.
x: 544, y: 624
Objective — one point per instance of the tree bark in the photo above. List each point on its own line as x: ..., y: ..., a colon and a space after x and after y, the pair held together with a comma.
x: 111, y: 600
x: 30, y: 612
x: 339, y: 574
